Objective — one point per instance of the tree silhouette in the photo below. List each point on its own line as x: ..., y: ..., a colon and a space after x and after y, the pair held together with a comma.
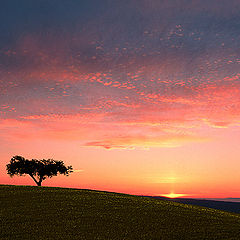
x: 38, y: 170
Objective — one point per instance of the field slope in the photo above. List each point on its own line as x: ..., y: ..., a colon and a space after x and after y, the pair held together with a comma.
x: 58, y: 213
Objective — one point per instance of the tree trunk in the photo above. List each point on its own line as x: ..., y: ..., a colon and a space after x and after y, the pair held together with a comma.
x: 38, y: 183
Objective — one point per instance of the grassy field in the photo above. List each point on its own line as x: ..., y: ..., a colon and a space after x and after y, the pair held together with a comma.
x: 58, y: 213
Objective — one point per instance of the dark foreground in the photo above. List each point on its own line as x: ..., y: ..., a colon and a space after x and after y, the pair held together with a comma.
x: 233, y: 207
x: 57, y: 213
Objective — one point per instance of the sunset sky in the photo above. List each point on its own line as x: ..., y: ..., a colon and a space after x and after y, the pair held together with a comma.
x: 139, y: 96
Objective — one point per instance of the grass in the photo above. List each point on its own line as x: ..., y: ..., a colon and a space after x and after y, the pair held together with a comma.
x: 60, y: 213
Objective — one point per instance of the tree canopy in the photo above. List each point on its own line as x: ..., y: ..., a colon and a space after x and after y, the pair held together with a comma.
x: 38, y: 170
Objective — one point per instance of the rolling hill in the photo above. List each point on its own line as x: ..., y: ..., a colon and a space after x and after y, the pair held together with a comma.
x: 61, y: 213
x: 220, y: 205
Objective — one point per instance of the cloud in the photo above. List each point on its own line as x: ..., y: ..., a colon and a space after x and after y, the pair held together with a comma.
x: 77, y: 170
x: 98, y: 131
x: 130, y: 142
x: 140, y: 80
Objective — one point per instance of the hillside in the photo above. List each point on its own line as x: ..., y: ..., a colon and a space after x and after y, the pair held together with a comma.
x: 59, y: 213
x: 233, y: 207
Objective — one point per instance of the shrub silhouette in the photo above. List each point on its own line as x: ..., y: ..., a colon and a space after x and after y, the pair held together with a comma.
x: 38, y: 170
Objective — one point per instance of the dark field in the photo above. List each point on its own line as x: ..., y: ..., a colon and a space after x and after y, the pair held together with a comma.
x: 58, y: 213
x: 233, y: 207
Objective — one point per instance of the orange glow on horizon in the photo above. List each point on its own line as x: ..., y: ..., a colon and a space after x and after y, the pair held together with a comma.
x: 174, y: 195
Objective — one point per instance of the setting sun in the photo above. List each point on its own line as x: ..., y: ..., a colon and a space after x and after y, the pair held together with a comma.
x: 174, y: 195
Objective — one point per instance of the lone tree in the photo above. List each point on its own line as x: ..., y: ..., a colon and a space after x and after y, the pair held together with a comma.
x: 38, y: 170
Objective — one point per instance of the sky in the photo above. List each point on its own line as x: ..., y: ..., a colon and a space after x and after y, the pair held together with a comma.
x: 139, y: 96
